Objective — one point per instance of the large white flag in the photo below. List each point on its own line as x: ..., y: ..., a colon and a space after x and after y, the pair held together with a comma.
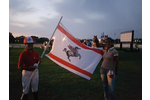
x: 72, y: 55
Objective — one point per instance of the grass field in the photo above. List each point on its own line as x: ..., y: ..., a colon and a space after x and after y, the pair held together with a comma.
x: 56, y: 83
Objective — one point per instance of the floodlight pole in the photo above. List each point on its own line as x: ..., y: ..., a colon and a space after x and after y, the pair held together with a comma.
x: 131, y: 44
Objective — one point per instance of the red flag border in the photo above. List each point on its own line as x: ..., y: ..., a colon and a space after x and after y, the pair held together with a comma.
x: 78, y: 42
x: 69, y: 65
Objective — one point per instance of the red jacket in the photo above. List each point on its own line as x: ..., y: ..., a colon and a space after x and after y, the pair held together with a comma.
x: 27, y: 59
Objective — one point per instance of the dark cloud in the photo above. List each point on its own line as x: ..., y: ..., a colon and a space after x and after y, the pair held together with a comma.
x: 103, y: 16
x: 85, y: 18
x: 20, y: 6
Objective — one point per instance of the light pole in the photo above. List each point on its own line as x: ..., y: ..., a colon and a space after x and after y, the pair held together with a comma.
x: 114, y: 38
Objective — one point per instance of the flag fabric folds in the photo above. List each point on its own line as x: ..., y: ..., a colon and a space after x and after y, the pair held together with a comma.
x: 72, y: 55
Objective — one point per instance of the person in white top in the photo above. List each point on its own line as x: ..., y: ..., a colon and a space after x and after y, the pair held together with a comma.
x: 109, y: 69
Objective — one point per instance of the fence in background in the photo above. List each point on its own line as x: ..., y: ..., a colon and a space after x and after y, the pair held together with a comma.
x: 22, y: 45
x: 38, y: 45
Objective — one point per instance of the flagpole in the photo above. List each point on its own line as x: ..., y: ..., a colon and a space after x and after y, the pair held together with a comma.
x: 51, y: 38
x: 42, y: 55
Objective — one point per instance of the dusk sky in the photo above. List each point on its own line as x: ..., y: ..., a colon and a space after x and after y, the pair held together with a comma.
x: 83, y: 18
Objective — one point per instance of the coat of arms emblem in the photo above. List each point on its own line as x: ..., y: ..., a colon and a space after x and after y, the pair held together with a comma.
x: 73, y: 52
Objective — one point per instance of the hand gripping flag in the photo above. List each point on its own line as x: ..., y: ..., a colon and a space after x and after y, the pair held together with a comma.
x: 72, y: 55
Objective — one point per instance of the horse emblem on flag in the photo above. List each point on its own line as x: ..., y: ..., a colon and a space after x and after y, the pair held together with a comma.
x: 73, y: 52
x: 72, y: 55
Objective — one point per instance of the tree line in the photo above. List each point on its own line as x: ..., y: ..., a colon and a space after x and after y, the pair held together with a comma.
x: 20, y: 39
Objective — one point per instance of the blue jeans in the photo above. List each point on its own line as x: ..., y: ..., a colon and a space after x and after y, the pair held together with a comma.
x: 108, y: 84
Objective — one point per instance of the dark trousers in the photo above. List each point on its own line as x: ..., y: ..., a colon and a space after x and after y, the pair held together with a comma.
x: 35, y: 95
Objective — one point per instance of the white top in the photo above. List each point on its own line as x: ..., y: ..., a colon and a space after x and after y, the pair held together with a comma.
x: 108, y: 59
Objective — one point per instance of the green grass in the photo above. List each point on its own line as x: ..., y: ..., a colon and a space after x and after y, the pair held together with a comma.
x: 56, y: 83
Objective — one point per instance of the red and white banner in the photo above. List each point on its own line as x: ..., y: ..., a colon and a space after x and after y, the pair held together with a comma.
x: 72, y: 55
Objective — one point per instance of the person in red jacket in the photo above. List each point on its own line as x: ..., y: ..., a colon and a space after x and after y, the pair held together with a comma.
x: 28, y: 63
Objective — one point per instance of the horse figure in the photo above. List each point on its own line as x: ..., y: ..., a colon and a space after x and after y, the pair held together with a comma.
x: 95, y: 42
x: 73, y: 52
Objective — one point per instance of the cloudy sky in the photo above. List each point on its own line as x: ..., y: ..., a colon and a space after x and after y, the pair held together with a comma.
x: 83, y: 18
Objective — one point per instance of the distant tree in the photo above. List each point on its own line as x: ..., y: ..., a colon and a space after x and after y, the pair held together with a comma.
x: 140, y: 40
x: 36, y: 39
x: 43, y: 39
x: 117, y: 41
x: 82, y: 40
x: 11, y: 38
x: 90, y: 39
x: 20, y: 39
